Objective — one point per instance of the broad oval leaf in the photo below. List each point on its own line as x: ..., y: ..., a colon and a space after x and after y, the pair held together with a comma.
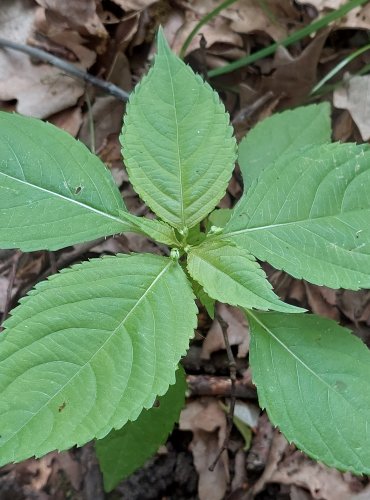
x: 282, y: 134
x: 310, y: 216
x: 177, y: 142
x: 123, y: 451
x: 313, y: 377
x: 230, y: 274
x: 89, y: 349
x: 53, y: 191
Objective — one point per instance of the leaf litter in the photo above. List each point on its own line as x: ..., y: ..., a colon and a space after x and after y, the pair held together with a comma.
x: 114, y: 40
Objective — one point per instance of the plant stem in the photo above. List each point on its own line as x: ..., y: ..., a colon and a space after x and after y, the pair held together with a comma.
x: 294, y: 37
x: 232, y: 367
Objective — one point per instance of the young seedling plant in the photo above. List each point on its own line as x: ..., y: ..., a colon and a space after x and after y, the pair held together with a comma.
x: 87, y: 352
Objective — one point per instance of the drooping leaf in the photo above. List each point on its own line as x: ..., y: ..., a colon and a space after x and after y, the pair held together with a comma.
x: 121, y: 452
x: 310, y: 216
x: 282, y: 134
x: 177, y: 141
x: 313, y: 377
x: 219, y: 217
x: 89, y: 349
x: 230, y: 274
x: 53, y: 191
x: 156, y: 229
x: 203, y: 297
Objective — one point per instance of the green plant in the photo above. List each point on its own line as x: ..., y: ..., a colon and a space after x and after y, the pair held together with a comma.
x: 93, y: 347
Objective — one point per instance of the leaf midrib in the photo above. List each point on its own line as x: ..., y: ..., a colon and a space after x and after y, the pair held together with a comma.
x: 299, y: 221
x: 296, y: 358
x: 64, y: 198
x: 182, y: 214
x: 157, y: 278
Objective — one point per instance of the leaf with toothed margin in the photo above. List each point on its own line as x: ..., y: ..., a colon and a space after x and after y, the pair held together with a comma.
x: 177, y: 141
x: 88, y: 349
x: 53, y: 191
x: 309, y: 215
x: 280, y: 135
x: 313, y: 377
x: 123, y: 451
x: 230, y: 274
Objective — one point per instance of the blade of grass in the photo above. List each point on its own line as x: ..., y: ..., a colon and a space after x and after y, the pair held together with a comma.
x: 201, y: 23
x: 338, y: 67
x: 294, y: 37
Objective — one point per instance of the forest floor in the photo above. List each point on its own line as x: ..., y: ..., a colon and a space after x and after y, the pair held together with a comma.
x: 114, y: 40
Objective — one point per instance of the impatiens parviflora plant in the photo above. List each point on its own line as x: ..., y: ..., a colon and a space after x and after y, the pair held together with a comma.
x: 91, y: 352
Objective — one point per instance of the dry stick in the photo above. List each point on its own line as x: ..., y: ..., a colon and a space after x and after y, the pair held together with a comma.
x: 232, y: 367
x: 108, y: 87
x: 10, y: 288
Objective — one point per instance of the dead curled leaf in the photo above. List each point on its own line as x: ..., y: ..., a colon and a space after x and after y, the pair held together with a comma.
x: 207, y: 421
x: 238, y: 332
x: 355, y: 97
x: 40, y: 90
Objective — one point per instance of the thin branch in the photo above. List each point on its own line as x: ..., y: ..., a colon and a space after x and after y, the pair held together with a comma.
x: 107, y: 87
x: 232, y: 367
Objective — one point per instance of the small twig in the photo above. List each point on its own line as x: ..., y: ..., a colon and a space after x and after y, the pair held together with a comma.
x: 232, y: 367
x: 108, y: 87
x: 8, y: 299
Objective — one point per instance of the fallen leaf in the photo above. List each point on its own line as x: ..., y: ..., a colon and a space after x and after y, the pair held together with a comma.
x: 135, y: 5
x: 318, y: 304
x: 323, y: 483
x: 3, y: 292
x: 355, y: 97
x: 294, y: 77
x: 40, y: 90
x: 80, y: 15
x: 69, y: 120
x: 238, y: 332
x: 207, y: 421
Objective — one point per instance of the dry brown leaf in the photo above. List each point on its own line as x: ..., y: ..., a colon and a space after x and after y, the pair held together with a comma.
x: 238, y: 332
x: 69, y: 120
x: 355, y: 97
x: 293, y: 78
x: 318, y: 304
x: 3, y: 292
x: 207, y: 421
x: 40, y: 90
x: 217, y: 31
x: 129, y: 5
x: 355, y: 305
x: 271, y: 17
x: 322, y: 482
x: 72, y: 14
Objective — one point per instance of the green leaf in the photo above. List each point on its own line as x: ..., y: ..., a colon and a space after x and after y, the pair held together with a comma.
x: 282, y: 134
x: 53, y: 191
x: 310, y: 216
x: 219, y: 217
x: 230, y: 274
x: 177, y: 142
x: 313, y: 377
x: 88, y: 349
x: 203, y: 297
x: 123, y: 451
x: 155, y: 229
